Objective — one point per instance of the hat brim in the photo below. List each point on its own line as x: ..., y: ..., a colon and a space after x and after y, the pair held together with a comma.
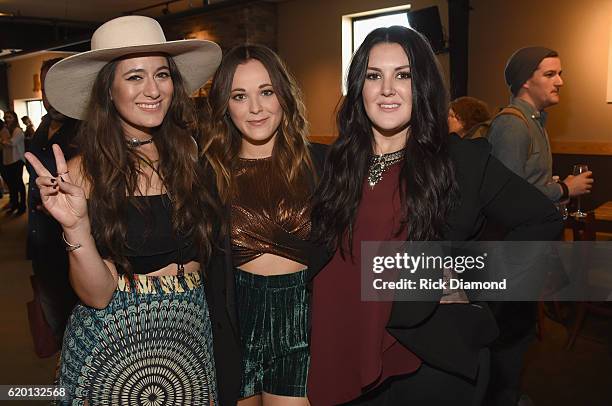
x: 68, y: 83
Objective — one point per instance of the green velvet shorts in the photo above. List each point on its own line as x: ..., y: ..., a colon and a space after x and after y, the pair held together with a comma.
x: 273, y: 317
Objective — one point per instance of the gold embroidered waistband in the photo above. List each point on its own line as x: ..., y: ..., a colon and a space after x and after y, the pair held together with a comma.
x: 159, y: 284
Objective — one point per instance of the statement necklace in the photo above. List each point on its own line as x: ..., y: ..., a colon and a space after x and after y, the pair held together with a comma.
x: 135, y: 142
x: 380, y: 163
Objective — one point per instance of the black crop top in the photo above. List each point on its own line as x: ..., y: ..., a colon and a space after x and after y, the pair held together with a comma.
x: 151, y: 244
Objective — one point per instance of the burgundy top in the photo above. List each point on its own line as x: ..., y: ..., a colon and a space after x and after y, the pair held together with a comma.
x: 351, y: 350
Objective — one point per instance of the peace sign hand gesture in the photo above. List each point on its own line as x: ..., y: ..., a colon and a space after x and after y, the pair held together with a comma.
x: 63, y: 200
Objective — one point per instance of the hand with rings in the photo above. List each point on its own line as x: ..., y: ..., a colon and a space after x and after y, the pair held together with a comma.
x: 63, y: 200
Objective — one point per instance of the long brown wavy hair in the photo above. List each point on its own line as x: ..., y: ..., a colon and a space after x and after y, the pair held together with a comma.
x: 222, y: 140
x: 470, y: 111
x: 113, y: 169
x: 15, y: 123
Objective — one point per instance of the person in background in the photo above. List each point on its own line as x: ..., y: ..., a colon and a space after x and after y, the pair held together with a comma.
x: 29, y: 131
x: 4, y: 135
x: 394, y: 174
x: 44, y: 245
x: 533, y: 76
x: 464, y: 113
x: 13, y: 149
x: 265, y: 170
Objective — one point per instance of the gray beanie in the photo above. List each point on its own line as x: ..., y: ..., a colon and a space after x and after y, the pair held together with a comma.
x: 522, y: 64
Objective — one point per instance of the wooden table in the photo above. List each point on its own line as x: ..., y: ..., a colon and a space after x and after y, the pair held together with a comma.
x: 600, y: 229
x: 604, y: 212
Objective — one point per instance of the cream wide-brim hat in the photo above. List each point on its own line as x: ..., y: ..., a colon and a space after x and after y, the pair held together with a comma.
x: 68, y: 83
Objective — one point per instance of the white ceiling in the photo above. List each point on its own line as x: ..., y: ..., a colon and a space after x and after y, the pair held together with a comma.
x: 92, y: 10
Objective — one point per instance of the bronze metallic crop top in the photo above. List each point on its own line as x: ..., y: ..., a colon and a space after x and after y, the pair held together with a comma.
x: 265, y: 217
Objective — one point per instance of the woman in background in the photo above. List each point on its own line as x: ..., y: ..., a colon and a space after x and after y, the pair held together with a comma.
x: 13, y: 148
x: 4, y: 135
x: 464, y: 113
x: 265, y: 170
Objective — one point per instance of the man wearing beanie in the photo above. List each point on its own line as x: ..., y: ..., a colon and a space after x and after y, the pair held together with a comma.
x: 533, y: 76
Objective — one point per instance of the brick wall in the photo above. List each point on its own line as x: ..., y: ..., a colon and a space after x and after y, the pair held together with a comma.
x: 253, y: 22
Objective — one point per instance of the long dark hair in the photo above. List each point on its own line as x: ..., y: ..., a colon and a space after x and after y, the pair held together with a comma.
x: 290, y: 155
x: 427, y: 184
x: 15, y: 122
x: 112, y: 169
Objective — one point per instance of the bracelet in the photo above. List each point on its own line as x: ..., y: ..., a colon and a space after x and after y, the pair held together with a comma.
x: 565, y: 194
x: 70, y: 247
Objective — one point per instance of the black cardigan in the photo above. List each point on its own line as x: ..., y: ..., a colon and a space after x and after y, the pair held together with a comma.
x: 221, y: 297
x: 451, y: 336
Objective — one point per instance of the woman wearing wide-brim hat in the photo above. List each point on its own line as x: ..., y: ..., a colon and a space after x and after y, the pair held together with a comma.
x: 138, y: 217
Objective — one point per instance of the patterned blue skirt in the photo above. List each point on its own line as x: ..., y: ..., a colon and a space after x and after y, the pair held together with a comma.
x: 152, y: 345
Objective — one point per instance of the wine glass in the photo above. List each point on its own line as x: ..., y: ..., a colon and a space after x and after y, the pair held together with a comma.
x: 578, y: 169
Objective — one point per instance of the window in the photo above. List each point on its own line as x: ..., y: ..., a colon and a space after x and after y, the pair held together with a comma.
x: 32, y: 108
x: 355, y: 27
x: 35, y: 110
x: 362, y: 26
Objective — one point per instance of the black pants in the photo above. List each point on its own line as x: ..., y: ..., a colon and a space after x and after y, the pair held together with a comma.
x: 429, y: 386
x: 506, y: 371
x: 516, y: 322
x: 14, y: 180
x: 57, y: 297
x: 3, y: 175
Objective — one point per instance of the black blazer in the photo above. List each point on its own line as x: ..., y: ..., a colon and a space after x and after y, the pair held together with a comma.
x: 219, y: 289
x: 221, y: 296
x: 450, y: 337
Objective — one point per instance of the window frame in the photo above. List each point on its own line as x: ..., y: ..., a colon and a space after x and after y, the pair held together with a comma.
x: 348, y: 37
x: 369, y: 17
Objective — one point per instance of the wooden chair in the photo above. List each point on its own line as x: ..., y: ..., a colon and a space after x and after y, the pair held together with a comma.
x: 555, y: 310
x: 584, y: 230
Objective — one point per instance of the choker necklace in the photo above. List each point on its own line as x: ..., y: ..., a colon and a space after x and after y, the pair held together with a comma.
x: 135, y: 142
x: 380, y: 163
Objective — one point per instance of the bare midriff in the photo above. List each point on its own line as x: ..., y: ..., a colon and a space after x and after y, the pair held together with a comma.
x: 172, y: 269
x: 270, y: 264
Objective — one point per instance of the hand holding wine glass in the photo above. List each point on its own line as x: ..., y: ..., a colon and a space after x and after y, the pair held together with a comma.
x: 580, y: 183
